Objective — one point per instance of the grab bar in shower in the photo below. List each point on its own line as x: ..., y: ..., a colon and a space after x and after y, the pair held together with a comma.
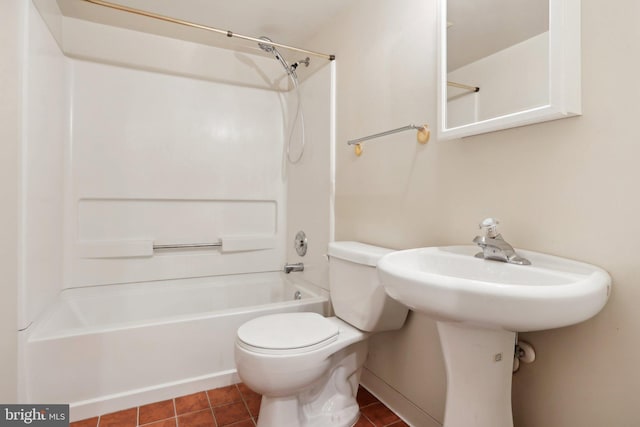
x: 146, y: 248
x: 423, y: 136
x: 188, y: 246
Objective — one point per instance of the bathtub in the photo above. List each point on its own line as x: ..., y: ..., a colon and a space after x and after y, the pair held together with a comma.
x: 106, y: 348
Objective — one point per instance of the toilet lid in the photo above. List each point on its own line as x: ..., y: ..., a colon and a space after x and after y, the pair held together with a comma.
x: 288, y: 331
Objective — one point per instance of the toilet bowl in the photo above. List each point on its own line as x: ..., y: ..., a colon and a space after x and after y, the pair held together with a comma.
x: 307, y: 367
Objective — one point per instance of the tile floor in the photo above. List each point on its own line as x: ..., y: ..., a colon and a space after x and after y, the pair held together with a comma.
x: 232, y: 406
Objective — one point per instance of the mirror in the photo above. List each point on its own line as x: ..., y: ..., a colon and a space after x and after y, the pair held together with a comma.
x: 506, y: 63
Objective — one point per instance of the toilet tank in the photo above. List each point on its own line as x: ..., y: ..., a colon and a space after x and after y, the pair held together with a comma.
x: 356, y: 292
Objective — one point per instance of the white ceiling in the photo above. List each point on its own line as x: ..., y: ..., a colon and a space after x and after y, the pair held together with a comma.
x: 483, y: 27
x: 290, y: 22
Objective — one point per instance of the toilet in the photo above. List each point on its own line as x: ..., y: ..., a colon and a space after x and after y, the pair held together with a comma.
x: 307, y: 367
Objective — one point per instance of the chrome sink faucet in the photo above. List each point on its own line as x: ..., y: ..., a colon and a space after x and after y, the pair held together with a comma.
x: 494, y: 247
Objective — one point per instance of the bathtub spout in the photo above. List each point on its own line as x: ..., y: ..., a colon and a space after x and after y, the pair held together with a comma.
x: 288, y: 268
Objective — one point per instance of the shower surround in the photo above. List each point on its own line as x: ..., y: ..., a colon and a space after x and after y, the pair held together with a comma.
x: 151, y: 141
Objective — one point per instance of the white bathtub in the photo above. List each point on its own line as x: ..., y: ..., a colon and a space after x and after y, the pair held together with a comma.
x: 106, y: 348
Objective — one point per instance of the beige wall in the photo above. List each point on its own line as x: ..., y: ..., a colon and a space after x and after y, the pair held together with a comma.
x: 568, y: 188
x: 11, y: 14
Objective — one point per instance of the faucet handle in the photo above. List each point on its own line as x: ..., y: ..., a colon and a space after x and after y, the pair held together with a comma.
x: 489, y: 227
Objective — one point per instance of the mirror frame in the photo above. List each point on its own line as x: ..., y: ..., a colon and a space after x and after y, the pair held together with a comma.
x: 564, y: 75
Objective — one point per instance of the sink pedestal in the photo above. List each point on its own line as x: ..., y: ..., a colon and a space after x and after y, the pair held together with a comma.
x: 479, y: 364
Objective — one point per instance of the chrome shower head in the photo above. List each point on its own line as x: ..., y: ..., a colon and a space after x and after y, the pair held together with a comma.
x: 269, y: 48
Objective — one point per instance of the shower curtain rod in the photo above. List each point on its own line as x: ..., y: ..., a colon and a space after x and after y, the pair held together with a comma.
x: 205, y: 27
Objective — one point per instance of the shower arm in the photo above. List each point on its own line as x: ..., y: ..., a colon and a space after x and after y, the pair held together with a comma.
x: 227, y: 33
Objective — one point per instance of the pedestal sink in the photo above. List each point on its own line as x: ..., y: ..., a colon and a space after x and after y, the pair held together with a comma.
x: 479, y: 306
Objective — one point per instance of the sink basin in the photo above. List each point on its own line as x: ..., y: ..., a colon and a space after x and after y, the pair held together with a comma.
x: 449, y: 283
x: 479, y: 306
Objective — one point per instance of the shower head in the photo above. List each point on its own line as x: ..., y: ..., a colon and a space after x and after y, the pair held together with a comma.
x: 267, y: 47
x: 270, y: 48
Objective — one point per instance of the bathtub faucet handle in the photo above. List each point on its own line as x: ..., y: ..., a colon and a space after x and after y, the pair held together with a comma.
x: 288, y: 268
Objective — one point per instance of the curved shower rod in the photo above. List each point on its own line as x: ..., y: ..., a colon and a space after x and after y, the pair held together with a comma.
x: 227, y: 33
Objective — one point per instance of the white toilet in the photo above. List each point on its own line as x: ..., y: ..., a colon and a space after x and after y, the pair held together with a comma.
x: 307, y: 367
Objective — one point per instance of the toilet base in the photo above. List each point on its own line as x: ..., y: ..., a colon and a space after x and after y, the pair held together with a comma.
x: 329, y: 402
x: 334, y: 402
x: 277, y: 411
x: 282, y: 411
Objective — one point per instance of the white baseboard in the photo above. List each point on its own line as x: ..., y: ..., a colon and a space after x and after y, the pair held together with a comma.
x: 403, y: 407
x: 131, y: 399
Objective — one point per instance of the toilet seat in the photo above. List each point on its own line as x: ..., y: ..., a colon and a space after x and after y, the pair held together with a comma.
x: 287, y: 333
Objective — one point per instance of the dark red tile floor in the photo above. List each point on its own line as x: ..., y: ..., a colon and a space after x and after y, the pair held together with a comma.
x: 232, y: 406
